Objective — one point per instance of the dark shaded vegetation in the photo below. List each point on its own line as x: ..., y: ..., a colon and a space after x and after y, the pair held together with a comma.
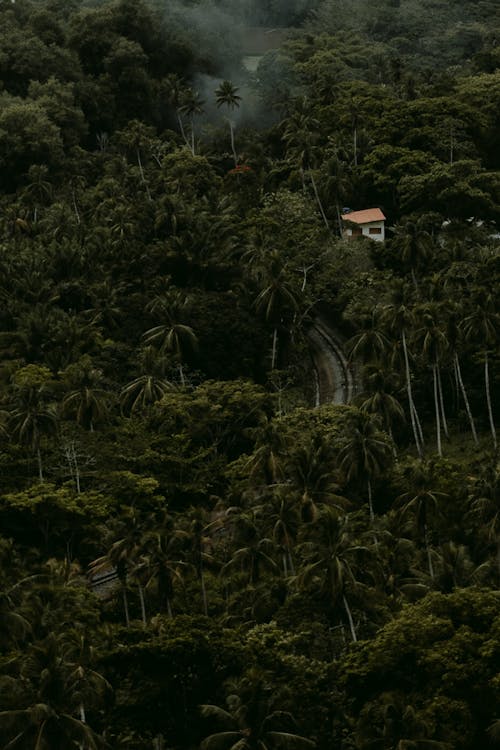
x: 281, y: 575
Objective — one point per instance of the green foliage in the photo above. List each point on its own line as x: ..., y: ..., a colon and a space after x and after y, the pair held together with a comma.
x: 184, y: 525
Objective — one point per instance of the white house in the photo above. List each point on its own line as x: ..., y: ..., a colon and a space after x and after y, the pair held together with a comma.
x: 366, y: 223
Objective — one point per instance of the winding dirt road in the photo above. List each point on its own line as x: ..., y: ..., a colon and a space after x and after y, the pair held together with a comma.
x: 335, y: 382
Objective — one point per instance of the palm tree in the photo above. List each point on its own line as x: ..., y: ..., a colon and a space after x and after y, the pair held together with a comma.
x: 227, y: 96
x: 250, y: 723
x: 399, y: 318
x: 434, y: 345
x: 377, y: 399
x: 274, y: 301
x: 31, y: 416
x: 422, y: 501
x: 191, y: 104
x: 413, y: 245
x: 365, y: 454
x: 253, y: 551
x: 173, y: 337
x: 482, y: 325
x: 301, y: 136
x: 328, y: 560
x: 49, y: 721
x: 88, y: 402
x: 149, y: 387
x: 454, y: 337
x: 161, y: 559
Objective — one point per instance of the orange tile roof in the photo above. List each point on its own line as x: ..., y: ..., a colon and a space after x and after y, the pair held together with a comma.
x: 364, y: 217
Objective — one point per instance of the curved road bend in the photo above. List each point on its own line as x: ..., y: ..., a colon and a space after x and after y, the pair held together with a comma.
x: 334, y: 377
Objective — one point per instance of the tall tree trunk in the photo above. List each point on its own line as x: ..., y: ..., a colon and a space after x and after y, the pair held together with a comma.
x: 81, y: 710
x: 318, y: 200
x: 183, y: 132
x: 125, y: 605
x: 141, y: 170
x: 39, y: 462
x: 465, y: 398
x: 275, y: 348
x: 488, y: 399
x: 370, y: 502
x: 349, y: 617
x: 441, y: 403
x: 203, y: 590
x: 233, y: 148
x: 428, y: 550
x: 143, y: 605
x: 436, y: 407
x: 355, y: 144
x: 410, y: 395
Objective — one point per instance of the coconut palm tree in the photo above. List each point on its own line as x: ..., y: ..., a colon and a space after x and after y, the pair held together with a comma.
x: 172, y: 337
x: 88, y: 402
x: 434, y: 345
x: 328, y: 561
x: 365, y: 454
x: 191, y: 104
x: 55, y: 696
x: 481, y: 325
x: 31, y: 416
x: 251, y: 723
x: 274, y: 301
x: 399, y: 318
x: 421, y: 502
x: 227, y: 96
x: 149, y: 387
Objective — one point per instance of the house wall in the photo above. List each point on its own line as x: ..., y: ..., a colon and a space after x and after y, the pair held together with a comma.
x: 377, y: 232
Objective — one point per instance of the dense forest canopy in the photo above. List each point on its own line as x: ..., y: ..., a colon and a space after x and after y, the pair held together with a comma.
x: 198, y: 549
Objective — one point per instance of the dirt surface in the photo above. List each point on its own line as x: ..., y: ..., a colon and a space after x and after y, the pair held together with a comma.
x: 334, y: 375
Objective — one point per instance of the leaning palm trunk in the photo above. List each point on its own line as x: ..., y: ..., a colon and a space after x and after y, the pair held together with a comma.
x: 488, y: 399
x: 203, y: 590
x: 275, y: 349
x: 143, y: 605
x: 413, y: 411
x: 39, y: 461
x: 436, y: 407
x: 428, y: 550
x: 349, y: 617
x: 318, y: 200
x: 465, y: 398
x: 141, y: 171
x: 441, y: 403
x: 233, y: 148
x: 125, y: 606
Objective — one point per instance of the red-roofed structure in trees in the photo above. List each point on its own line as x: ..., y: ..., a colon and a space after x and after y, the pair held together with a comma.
x: 367, y: 223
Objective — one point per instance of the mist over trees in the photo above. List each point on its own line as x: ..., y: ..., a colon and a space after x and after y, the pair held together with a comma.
x: 198, y: 549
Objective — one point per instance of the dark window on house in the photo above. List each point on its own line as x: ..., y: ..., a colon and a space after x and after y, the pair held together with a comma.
x: 357, y: 231
x: 375, y: 230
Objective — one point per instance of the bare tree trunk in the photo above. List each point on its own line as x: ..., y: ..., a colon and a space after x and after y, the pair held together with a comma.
x: 233, y: 149
x: 81, y: 710
x: 275, y: 348
x: 143, y: 605
x: 465, y: 398
x: 349, y: 617
x: 488, y: 399
x: 39, y: 462
x: 441, y: 403
x: 125, y: 606
x: 203, y: 590
x: 318, y: 200
x: 141, y: 170
x: 183, y: 132
x: 410, y: 395
x: 436, y: 407
x: 428, y: 550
